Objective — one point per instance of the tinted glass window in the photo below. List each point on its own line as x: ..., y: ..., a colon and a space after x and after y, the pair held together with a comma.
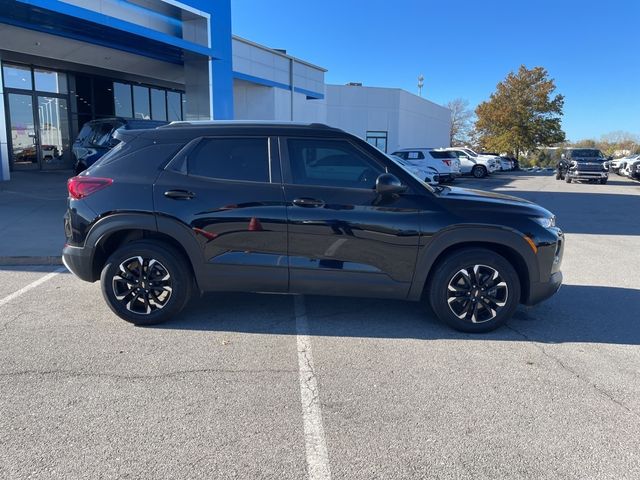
x: 101, y: 134
x: 331, y: 163
x: 231, y: 159
x: 402, y: 155
x: 441, y: 155
x: 141, y: 108
x: 122, y: 100
x: 158, y: 105
x: 84, y: 133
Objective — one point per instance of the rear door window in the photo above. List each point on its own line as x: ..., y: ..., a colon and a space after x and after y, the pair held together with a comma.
x: 441, y: 155
x: 238, y: 159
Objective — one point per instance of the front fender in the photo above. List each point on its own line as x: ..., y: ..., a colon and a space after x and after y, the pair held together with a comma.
x: 433, y: 247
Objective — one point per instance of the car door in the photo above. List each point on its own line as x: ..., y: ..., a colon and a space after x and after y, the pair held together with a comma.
x: 466, y: 164
x: 343, y: 238
x: 227, y: 191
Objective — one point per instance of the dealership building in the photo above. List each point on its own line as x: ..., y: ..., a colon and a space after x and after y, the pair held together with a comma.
x: 65, y: 62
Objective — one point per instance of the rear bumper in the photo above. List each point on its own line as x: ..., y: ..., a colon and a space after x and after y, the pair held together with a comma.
x: 79, y: 261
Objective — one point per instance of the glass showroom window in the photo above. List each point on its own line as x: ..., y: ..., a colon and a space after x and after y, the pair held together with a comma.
x: 158, y: 104
x: 16, y: 76
x: 141, y: 108
x: 123, y: 100
x: 378, y: 139
x: 49, y: 81
x: 174, y: 106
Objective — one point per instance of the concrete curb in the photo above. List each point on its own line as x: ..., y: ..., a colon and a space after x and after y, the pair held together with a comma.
x: 30, y: 260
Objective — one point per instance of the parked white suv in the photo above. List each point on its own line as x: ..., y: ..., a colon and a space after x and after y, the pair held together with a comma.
x: 471, y: 163
x: 446, y: 163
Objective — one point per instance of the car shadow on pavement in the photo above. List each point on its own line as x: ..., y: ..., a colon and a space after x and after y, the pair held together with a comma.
x: 586, y: 314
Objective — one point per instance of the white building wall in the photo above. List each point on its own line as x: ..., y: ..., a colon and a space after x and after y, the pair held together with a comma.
x: 408, y: 119
x: 422, y: 123
x: 253, y: 102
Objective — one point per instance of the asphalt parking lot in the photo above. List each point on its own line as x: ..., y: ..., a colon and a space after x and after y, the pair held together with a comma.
x: 274, y: 386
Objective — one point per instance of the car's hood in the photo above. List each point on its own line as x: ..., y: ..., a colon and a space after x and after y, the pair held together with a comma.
x: 473, y: 200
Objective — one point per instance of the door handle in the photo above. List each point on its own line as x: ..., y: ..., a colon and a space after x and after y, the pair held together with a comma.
x: 179, y: 194
x: 308, y: 202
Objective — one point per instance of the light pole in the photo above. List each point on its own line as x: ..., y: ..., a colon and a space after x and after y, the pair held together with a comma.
x: 420, y: 84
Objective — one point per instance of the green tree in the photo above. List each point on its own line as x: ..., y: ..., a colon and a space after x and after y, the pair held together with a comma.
x: 522, y: 114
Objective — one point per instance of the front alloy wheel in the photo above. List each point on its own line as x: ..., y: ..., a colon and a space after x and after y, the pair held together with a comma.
x: 477, y: 294
x: 474, y: 290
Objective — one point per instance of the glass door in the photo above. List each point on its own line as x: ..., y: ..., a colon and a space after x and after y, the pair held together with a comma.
x: 52, y: 130
x: 22, y: 130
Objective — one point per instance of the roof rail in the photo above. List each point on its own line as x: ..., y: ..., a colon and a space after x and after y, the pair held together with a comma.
x: 204, y: 123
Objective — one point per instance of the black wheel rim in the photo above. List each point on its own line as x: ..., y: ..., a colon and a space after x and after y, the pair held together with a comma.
x: 477, y: 294
x: 142, y: 285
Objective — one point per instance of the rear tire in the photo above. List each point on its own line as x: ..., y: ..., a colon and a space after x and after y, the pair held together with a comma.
x: 479, y: 171
x: 493, y: 286
x: 149, y: 295
x: 603, y: 181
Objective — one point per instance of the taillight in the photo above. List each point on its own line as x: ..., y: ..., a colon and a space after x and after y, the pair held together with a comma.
x: 80, y: 187
x: 447, y: 162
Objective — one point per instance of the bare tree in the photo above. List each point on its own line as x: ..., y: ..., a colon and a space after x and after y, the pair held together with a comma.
x: 461, y: 116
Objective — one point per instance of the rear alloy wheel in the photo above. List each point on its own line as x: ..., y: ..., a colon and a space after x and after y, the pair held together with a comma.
x: 475, y: 290
x: 479, y: 171
x: 146, y: 282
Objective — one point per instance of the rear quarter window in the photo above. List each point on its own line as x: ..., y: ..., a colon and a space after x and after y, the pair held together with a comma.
x: 133, y: 158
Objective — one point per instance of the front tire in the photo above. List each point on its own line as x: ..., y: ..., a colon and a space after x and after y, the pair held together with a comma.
x: 567, y: 178
x: 479, y: 171
x: 146, y: 282
x: 475, y: 290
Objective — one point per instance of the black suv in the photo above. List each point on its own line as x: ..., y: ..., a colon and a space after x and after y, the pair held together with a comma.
x: 583, y: 165
x: 307, y: 209
x: 97, y: 137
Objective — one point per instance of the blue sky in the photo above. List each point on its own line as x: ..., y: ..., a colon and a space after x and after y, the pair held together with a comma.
x: 464, y: 48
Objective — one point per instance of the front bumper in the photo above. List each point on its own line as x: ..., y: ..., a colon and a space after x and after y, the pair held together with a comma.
x: 540, y: 291
x: 578, y: 175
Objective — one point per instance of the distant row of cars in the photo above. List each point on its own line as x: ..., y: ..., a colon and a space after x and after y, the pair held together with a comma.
x: 628, y: 166
x: 443, y: 165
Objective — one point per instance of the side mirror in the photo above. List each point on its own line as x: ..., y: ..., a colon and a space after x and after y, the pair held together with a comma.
x: 388, y: 184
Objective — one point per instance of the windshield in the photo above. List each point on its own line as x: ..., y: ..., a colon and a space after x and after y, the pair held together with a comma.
x: 407, y: 167
x: 586, y: 153
x: 470, y: 152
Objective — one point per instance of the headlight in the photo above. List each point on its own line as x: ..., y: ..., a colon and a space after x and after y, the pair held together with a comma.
x: 545, y: 222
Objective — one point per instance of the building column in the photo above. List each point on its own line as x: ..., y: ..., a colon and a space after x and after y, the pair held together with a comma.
x: 198, y: 88
x: 4, y: 150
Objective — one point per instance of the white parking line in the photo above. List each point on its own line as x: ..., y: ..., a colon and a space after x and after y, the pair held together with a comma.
x: 316, y: 448
x: 31, y: 286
